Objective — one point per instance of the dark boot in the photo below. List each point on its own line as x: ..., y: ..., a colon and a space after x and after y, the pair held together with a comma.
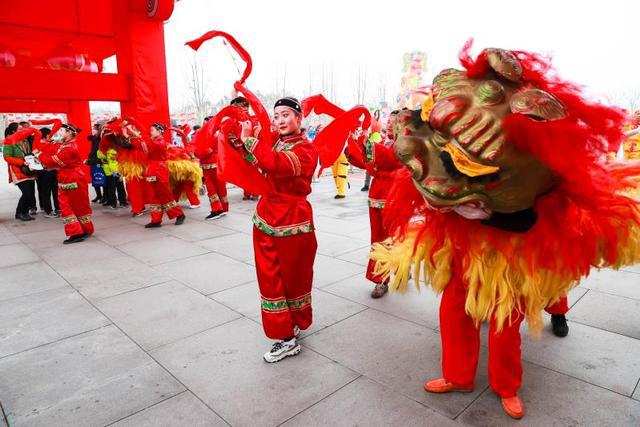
x: 180, y: 220
x: 74, y: 239
x: 559, y: 325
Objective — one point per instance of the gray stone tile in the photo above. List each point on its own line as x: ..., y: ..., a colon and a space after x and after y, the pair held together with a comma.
x: 192, y: 231
x: 41, y: 318
x: 209, y: 273
x: 367, y: 403
x: 244, y: 299
x: 128, y: 233
x: 553, y: 399
x: 26, y: 279
x: 609, y: 312
x: 39, y: 224
x: 237, y: 247
x: 416, y: 306
x: 238, y: 221
x: 163, y: 249
x: 332, y: 225
x: 329, y: 309
x: 359, y: 256
x: 16, y: 254
x: 611, y: 360
x: 334, y: 245
x: 181, y: 410
x: 575, y: 295
x: 328, y: 270
x: 398, y: 354
x: 164, y: 313
x: 91, y: 379
x: 90, y: 252
x: 110, y: 276
x: 224, y: 368
x: 636, y: 394
x: 632, y: 268
x: 622, y: 283
x: 7, y: 237
x: 43, y: 239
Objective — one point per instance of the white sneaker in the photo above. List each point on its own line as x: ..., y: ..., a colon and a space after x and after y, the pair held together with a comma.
x: 194, y: 206
x: 282, y: 349
x: 296, y: 331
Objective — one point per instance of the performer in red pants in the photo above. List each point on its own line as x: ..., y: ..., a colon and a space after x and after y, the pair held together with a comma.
x: 558, y: 313
x: 380, y: 162
x: 206, y: 149
x: 157, y: 176
x: 284, y: 241
x: 73, y: 184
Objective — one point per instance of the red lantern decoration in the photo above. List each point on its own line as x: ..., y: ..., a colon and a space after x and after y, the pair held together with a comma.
x: 7, y: 59
x: 66, y: 59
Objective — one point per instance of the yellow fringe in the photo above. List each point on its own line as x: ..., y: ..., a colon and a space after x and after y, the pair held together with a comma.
x: 185, y: 170
x: 131, y: 170
x: 496, y: 285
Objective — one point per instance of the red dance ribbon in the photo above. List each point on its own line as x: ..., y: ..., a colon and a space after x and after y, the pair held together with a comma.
x: 57, y: 124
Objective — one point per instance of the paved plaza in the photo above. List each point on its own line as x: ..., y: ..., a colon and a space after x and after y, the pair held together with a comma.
x: 138, y: 327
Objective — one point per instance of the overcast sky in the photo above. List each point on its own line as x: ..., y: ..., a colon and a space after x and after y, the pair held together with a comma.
x: 594, y: 43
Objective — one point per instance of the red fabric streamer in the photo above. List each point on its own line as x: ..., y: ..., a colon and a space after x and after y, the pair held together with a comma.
x: 57, y: 124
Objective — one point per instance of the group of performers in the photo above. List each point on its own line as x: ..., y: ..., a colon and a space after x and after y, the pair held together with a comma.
x: 497, y: 192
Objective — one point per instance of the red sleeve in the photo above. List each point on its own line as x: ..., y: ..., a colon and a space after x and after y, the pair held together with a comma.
x: 355, y: 153
x: 384, y: 158
x: 59, y: 159
x: 301, y: 160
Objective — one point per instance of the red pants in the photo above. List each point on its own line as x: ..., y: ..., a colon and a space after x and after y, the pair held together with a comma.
x: 136, y: 192
x: 162, y: 201
x: 461, y: 344
x: 185, y: 187
x: 561, y: 307
x: 75, y: 209
x: 216, y: 190
x: 284, y: 266
x: 378, y: 234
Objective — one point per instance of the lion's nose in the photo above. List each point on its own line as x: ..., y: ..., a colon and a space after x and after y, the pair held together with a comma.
x: 412, y: 153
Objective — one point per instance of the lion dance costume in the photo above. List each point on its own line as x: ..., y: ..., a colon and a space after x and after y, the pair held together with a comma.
x: 507, y: 174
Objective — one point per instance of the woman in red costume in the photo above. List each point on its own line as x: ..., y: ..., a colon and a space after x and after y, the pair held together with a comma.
x: 157, y: 175
x: 206, y: 149
x: 377, y: 158
x: 284, y: 241
x: 73, y: 183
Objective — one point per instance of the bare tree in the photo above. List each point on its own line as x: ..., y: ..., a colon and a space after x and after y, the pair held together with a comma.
x: 361, y: 86
x: 629, y: 99
x: 199, y: 87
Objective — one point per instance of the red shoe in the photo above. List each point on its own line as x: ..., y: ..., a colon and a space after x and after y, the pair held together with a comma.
x: 441, y: 385
x: 513, y: 406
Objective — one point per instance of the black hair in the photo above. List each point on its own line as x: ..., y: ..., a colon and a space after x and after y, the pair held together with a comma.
x: 45, y: 132
x: 11, y: 129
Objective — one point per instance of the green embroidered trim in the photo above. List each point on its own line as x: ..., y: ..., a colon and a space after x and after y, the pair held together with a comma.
x: 281, y: 231
x: 85, y: 219
x: 282, y: 304
x: 69, y: 219
x: 250, y: 144
x: 251, y: 158
x: 376, y: 203
x: 155, y: 208
x: 69, y: 186
x: 152, y: 178
x: 208, y: 166
x: 368, y: 149
x: 169, y: 205
x: 214, y: 199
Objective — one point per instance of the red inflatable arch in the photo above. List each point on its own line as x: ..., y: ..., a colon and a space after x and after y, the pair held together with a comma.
x: 51, y: 56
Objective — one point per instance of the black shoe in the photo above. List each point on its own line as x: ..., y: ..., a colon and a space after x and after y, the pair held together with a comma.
x: 124, y: 205
x: 338, y: 196
x: 180, y: 219
x: 96, y: 200
x: 559, y: 325
x: 24, y: 217
x: 246, y: 197
x: 213, y: 215
x: 153, y: 225
x: 74, y: 239
x: 365, y: 188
